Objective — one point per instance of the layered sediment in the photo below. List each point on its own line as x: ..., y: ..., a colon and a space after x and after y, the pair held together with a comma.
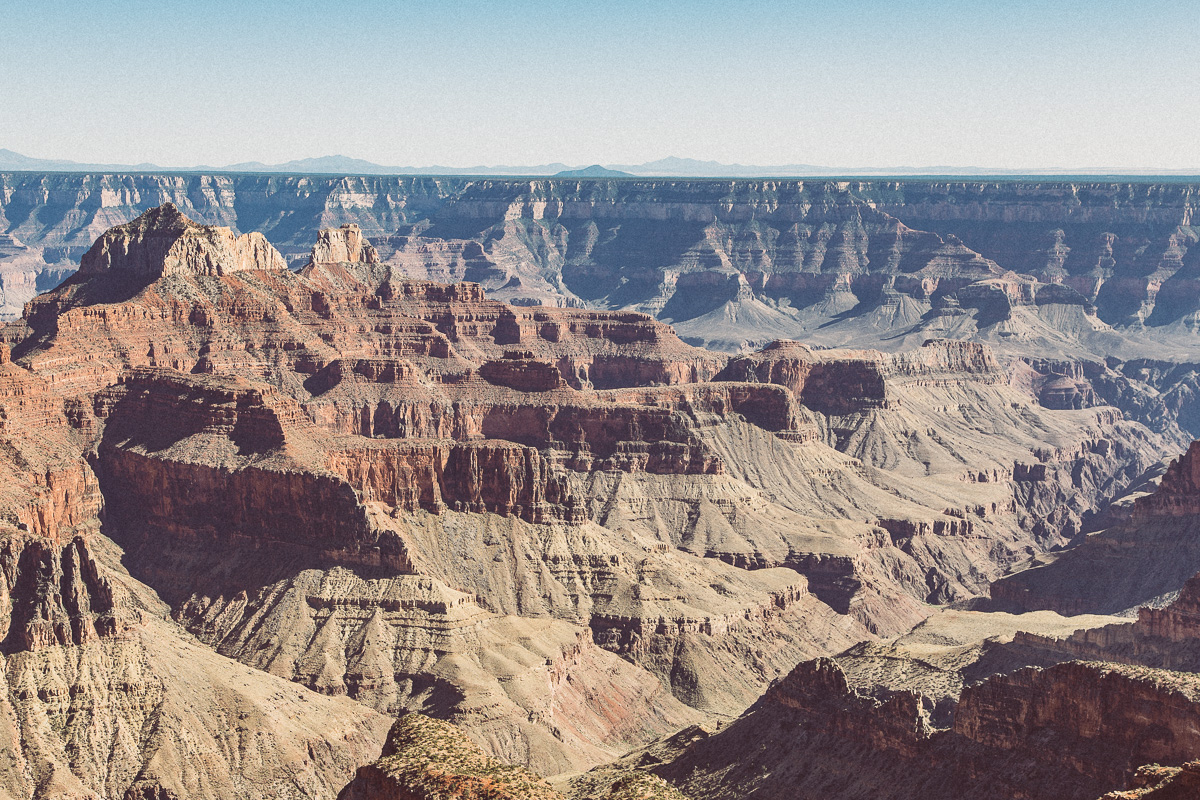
x: 1069, y: 731
x: 564, y: 529
x: 102, y: 694
x: 1047, y: 266
x: 1097, y: 576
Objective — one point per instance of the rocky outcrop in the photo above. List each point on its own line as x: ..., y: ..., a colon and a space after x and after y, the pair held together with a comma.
x: 1098, y: 714
x: 55, y: 594
x: 426, y: 759
x: 444, y: 361
x: 1178, y: 494
x: 251, y: 319
x: 175, y: 445
x: 534, y: 691
x: 926, y: 418
x: 164, y: 242
x: 817, y: 689
x: 51, y: 590
x: 1159, y: 393
x: 47, y: 490
x: 1070, y: 731
x: 346, y: 243
x: 1154, y: 782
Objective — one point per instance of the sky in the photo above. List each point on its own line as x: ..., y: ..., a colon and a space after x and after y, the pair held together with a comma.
x: 845, y: 83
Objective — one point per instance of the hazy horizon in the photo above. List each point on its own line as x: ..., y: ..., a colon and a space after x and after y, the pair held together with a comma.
x: 670, y: 166
x: 1063, y: 86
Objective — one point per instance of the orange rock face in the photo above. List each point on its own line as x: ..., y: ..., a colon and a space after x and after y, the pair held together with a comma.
x: 51, y: 591
x: 1109, y: 719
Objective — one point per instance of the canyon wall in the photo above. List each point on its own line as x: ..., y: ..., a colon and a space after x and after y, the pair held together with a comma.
x: 564, y: 528
x: 1143, y: 560
x: 732, y: 263
x: 1072, y: 730
x: 102, y: 697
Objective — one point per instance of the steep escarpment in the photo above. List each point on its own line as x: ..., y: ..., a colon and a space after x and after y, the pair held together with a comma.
x: 175, y: 447
x: 1070, y: 731
x: 1145, y: 559
x: 47, y: 491
x: 1163, y: 637
x: 51, y: 590
x: 1129, y: 248
x: 1101, y: 706
x: 102, y: 696
x: 1047, y: 266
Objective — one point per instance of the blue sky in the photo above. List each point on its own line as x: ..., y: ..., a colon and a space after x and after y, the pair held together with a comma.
x: 459, y: 83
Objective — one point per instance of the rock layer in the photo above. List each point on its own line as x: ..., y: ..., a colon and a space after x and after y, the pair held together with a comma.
x: 1098, y: 576
x: 564, y: 528
x: 1043, y: 265
x: 102, y: 696
x: 1068, y: 731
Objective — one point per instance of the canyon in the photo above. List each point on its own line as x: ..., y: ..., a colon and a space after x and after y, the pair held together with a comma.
x: 462, y: 463
x: 1055, y: 266
x: 1092, y: 284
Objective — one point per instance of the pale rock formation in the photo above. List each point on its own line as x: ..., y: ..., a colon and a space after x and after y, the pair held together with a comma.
x: 164, y: 242
x: 343, y: 244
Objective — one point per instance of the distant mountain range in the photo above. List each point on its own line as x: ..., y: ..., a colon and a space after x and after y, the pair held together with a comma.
x: 594, y: 171
x: 670, y: 167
